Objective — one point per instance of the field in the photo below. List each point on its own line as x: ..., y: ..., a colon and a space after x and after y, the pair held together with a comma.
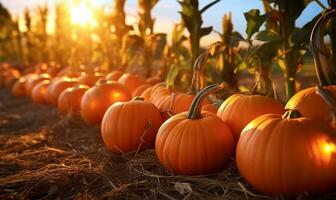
x: 46, y: 156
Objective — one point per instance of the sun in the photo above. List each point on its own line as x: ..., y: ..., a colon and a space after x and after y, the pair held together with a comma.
x: 82, y: 14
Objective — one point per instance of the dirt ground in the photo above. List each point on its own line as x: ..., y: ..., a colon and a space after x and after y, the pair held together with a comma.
x: 47, y: 156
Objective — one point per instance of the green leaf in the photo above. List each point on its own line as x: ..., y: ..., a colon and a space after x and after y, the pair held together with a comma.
x: 268, y: 36
x: 206, y: 30
x: 254, y: 21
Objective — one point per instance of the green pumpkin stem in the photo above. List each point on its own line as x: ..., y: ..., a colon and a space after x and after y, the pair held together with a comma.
x: 330, y: 100
x: 196, y: 106
x: 291, y: 114
x: 325, y: 71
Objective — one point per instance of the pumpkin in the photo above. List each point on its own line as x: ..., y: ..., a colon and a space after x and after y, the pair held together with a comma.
x: 131, y: 82
x: 146, y: 94
x: 210, y: 107
x: 57, y: 87
x: 99, y: 98
x: 39, y: 92
x: 239, y: 109
x: 130, y: 126
x: 114, y: 76
x: 69, y: 100
x: 307, y: 101
x: 287, y: 155
x: 154, y: 80
x: 194, y: 142
x: 18, y: 88
x: 34, y: 81
x: 89, y: 79
x: 139, y: 90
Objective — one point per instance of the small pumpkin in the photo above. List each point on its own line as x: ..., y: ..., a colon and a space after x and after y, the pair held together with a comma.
x: 34, y: 81
x: 139, y: 90
x: 69, y: 100
x: 99, y: 98
x: 89, y: 79
x: 288, y: 155
x: 130, y: 126
x: 39, y: 92
x: 114, y: 76
x: 239, y: 109
x: 18, y: 88
x: 57, y: 87
x: 194, y: 142
x: 131, y: 81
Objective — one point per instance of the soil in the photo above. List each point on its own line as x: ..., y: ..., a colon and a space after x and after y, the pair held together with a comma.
x: 44, y: 155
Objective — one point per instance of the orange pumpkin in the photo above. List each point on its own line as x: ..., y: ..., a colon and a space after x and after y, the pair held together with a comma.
x: 99, y: 98
x: 240, y: 109
x: 89, y: 79
x: 69, y: 100
x: 287, y: 155
x: 194, y: 143
x: 147, y: 93
x: 139, y: 90
x: 131, y: 82
x: 39, y: 92
x: 210, y: 107
x: 130, y: 126
x: 18, y: 88
x: 114, y: 76
x: 154, y: 80
x: 34, y: 81
x: 57, y: 87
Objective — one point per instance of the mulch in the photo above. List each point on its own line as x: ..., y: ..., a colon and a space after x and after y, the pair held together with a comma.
x: 44, y: 155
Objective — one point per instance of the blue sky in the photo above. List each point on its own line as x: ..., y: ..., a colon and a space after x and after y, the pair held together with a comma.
x: 166, y: 12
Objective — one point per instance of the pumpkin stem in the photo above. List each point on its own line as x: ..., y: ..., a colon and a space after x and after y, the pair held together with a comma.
x: 325, y: 71
x: 196, y: 105
x: 138, y: 98
x: 330, y: 100
x: 197, y: 82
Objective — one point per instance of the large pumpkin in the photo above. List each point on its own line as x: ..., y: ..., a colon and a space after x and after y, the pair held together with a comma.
x: 131, y: 81
x: 69, y: 100
x: 287, y: 155
x: 240, y: 109
x: 194, y: 142
x: 18, y: 88
x: 139, y: 90
x: 39, y: 92
x: 99, y: 98
x: 130, y: 126
x: 57, y: 87
x: 89, y: 79
x: 307, y: 101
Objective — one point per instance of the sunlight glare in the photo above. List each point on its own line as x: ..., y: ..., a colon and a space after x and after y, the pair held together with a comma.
x: 82, y: 14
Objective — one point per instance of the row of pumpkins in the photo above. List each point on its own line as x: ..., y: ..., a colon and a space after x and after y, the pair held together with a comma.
x: 279, y: 149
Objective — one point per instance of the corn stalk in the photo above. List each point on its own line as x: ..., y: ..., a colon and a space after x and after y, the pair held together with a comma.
x: 192, y: 18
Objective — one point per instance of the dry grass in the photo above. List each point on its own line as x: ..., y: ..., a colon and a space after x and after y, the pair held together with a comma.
x: 46, y: 156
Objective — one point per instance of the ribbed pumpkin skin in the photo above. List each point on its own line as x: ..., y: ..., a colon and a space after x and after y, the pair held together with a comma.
x: 287, y: 156
x: 194, y: 146
x: 99, y: 98
x: 129, y: 126
x: 239, y: 110
x: 18, y: 88
x: 147, y: 93
x: 114, y: 76
x: 89, y: 79
x: 131, y: 82
x: 310, y: 104
x: 40, y: 91
x: 69, y: 100
x: 139, y: 90
x: 32, y: 82
x: 210, y: 108
x: 58, y: 87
